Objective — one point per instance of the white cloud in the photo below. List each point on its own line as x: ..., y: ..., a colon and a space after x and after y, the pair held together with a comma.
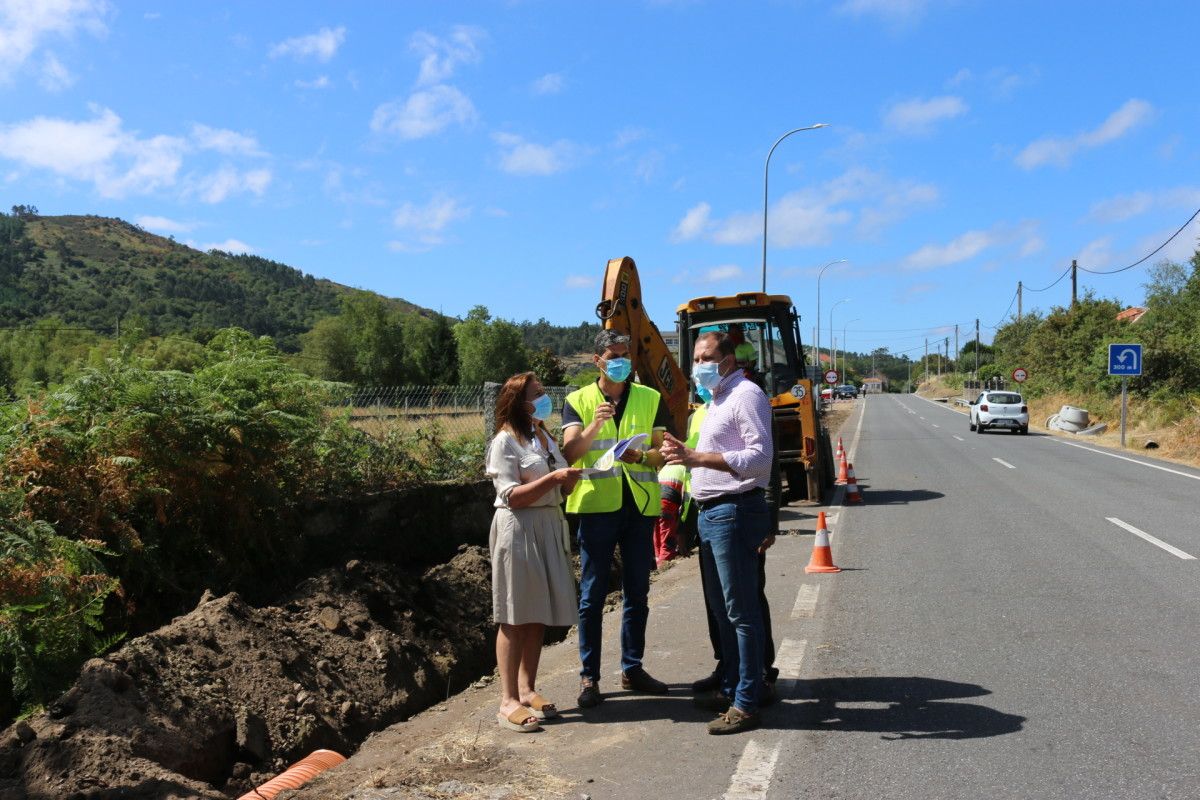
x: 960, y: 78
x: 627, y: 136
x: 1023, y: 237
x: 424, y: 113
x: 963, y: 248
x: 320, y: 82
x: 1097, y: 254
x: 521, y: 157
x: 99, y: 150
x: 26, y: 24
x: 725, y: 272
x: 163, y: 224
x: 580, y: 281
x: 915, y: 117
x: 225, y: 141
x: 694, y: 223
x: 812, y: 216
x: 440, y: 57
x: 322, y: 45
x: 1123, y: 207
x: 55, y: 77
x: 234, y: 246
x: 1060, y: 150
x: 425, y: 225
x: 889, y: 10
x: 227, y: 181
x: 550, y: 83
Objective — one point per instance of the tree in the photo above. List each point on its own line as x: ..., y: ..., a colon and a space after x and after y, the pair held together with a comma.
x: 431, y: 351
x: 549, y: 369
x: 488, y: 350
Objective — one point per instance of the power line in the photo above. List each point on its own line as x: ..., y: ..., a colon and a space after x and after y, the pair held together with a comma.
x: 1066, y: 272
x: 1150, y: 255
x: 1005, y: 314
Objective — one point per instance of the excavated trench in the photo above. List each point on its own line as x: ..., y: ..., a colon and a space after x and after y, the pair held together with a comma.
x: 226, y: 696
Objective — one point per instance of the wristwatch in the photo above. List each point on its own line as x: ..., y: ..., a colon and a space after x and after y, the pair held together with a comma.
x: 642, y: 457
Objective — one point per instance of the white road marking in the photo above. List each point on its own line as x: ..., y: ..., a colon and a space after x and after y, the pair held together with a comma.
x: 806, y: 600
x: 1175, y: 551
x: 934, y: 424
x: 857, y: 430
x: 922, y: 419
x: 1124, y: 458
x: 956, y: 436
x: 790, y: 657
x: 1003, y: 463
x: 752, y: 777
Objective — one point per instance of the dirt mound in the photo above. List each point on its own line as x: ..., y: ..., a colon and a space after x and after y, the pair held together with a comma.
x: 226, y: 696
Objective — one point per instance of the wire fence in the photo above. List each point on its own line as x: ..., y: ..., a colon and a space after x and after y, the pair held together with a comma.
x: 453, y: 412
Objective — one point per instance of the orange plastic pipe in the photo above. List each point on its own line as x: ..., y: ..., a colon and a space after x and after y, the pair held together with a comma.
x: 296, y: 775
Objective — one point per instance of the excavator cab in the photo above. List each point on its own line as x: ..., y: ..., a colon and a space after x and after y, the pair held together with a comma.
x: 766, y: 334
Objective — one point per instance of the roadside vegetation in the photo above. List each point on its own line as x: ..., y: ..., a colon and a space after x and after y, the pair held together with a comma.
x: 1065, y: 352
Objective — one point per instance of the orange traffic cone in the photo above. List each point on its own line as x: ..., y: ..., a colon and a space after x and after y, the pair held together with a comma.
x: 841, y: 451
x: 843, y: 476
x: 853, y: 495
x: 822, y: 557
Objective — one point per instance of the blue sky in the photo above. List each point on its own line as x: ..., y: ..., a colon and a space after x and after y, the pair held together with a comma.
x: 456, y: 154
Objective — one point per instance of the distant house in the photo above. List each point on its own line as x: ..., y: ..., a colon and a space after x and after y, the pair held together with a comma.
x: 874, y: 385
x: 1131, y: 315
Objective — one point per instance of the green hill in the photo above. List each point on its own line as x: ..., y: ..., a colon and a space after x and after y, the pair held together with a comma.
x: 91, y: 271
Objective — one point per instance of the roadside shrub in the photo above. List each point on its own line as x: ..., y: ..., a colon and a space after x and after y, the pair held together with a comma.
x: 162, y: 483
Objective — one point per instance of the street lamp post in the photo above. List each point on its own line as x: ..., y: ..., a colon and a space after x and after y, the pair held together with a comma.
x: 766, y: 168
x: 844, y: 348
x: 818, y: 320
x: 833, y: 355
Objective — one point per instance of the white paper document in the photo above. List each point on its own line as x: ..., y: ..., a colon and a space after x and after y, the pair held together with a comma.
x: 611, y: 455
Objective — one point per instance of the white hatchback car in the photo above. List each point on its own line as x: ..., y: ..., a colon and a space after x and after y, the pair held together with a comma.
x: 999, y: 410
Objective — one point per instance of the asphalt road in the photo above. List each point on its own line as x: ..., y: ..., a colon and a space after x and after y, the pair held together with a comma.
x: 999, y: 635
x: 994, y: 634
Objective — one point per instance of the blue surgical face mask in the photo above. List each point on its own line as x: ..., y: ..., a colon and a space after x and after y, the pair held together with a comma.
x: 542, y: 407
x: 618, y: 369
x: 705, y: 394
x: 707, y: 374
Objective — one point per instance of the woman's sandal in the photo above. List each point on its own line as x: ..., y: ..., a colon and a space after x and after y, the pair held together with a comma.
x: 542, y: 708
x: 521, y: 720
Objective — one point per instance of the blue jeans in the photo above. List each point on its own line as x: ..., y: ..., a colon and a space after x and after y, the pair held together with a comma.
x: 599, y: 536
x: 730, y: 533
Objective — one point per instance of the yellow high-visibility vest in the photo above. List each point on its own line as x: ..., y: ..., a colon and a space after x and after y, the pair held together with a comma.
x: 602, y: 491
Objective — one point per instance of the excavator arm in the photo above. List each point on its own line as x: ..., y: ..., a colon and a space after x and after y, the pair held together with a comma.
x: 621, y: 309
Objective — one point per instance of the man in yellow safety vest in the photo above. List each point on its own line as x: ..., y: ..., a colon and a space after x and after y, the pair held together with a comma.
x: 616, y: 507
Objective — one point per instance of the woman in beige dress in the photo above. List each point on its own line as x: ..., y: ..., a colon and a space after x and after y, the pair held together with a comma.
x: 532, y: 582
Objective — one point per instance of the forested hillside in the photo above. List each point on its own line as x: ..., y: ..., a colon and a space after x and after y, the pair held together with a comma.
x: 92, y: 271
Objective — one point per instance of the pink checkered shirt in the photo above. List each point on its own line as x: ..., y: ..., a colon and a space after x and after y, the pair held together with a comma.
x: 738, y: 426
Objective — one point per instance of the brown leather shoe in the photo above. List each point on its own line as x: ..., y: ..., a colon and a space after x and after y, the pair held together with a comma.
x: 589, y: 694
x: 638, y: 680
x: 734, y: 721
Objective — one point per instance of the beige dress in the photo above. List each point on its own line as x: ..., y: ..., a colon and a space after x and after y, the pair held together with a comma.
x: 532, y: 580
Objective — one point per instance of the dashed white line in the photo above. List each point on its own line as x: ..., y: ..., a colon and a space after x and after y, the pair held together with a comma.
x: 956, y: 436
x: 806, y: 600
x: 934, y: 424
x: 1003, y: 463
x: 790, y: 657
x: 752, y: 778
x: 1175, y: 551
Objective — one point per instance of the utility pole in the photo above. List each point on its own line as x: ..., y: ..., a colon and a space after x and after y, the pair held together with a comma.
x: 977, y: 347
x: 927, y: 359
x: 1074, y: 273
x: 947, y: 353
x: 957, y: 352
x: 1019, y: 298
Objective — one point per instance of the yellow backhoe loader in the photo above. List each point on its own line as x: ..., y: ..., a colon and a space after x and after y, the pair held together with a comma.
x: 763, y: 325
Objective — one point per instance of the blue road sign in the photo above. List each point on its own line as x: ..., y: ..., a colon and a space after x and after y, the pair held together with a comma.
x: 1125, y: 359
